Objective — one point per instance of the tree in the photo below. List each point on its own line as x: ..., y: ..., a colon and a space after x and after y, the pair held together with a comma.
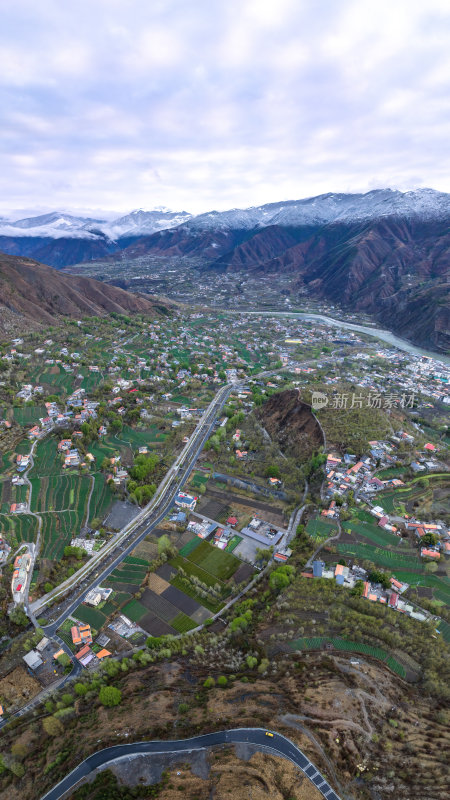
x: 222, y: 681
x: 378, y: 576
x: 52, y: 726
x: 64, y: 660
x: 281, y: 577
x: 431, y: 567
x: 110, y: 696
x: 18, y: 616
x: 272, y: 471
x: 209, y: 683
x: 165, y: 546
x: 429, y: 538
x: 80, y: 689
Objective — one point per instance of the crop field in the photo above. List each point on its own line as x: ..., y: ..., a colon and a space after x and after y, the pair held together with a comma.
x: 92, y: 616
x: 444, y: 628
x: 362, y: 515
x: 388, y: 501
x: 57, y: 531
x: 102, y: 498
x: 46, y: 459
x: 193, y: 569
x: 440, y: 586
x: 199, y: 479
x: 60, y: 493
x: 390, y: 472
x: 139, y: 438
x: 320, y: 529
x: 385, y: 558
x: 18, y: 527
x: 54, y: 378
x: 217, y: 562
x: 5, y: 496
x: 128, y: 573
x: 90, y: 379
x: 317, y: 642
x: 190, y: 546
x: 134, y: 560
x: 182, y: 623
x: 134, y: 610
x: 29, y: 415
x: 372, y: 532
x: 189, y: 590
x: 391, y: 501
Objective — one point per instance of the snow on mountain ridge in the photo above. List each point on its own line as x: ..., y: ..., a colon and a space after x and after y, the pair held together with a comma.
x: 319, y: 210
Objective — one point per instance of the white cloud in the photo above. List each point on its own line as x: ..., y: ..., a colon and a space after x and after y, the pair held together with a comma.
x: 125, y: 103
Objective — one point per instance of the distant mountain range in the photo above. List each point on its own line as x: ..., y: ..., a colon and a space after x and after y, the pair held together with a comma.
x: 33, y: 292
x: 385, y: 252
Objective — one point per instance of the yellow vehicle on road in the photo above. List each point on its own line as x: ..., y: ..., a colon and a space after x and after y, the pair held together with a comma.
x: 269, y: 734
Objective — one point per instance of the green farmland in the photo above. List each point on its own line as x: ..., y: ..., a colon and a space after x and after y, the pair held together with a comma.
x: 47, y: 460
x: 18, y: 528
x: 29, y: 415
x: 317, y: 642
x: 60, y: 493
x: 384, y: 558
x: 320, y: 529
x: 58, y: 528
x: 217, y: 562
x: 91, y: 616
x: 373, y: 533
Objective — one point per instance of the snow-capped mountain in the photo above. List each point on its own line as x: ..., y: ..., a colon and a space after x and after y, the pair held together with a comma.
x: 142, y: 223
x: 327, y: 208
x: 59, y: 224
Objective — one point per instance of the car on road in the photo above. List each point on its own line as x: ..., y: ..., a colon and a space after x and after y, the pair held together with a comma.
x: 269, y: 734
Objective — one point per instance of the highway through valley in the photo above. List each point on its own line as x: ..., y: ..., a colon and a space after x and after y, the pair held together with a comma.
x: 158, y: 512
x: 267, y: 741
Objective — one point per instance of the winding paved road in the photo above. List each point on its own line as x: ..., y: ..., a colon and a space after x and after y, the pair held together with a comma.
x: 275, y: 745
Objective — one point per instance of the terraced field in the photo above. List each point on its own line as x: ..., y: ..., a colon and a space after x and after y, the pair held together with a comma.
x: 46, y: 459
x: 29, y: 415
x: 18, y: 528
x: 58, y: 529
x: 372, y: 532
x: 102, y: 498
x: 320, y: 529
x: 60, y: 493
x: 317, y: 642
x: 384, y: 558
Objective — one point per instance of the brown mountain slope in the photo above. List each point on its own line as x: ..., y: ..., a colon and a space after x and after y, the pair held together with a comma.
x: 289, y: 422
x: 39, y: 293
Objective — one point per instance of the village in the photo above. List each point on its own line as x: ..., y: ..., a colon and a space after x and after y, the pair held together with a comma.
x: 93, y: 435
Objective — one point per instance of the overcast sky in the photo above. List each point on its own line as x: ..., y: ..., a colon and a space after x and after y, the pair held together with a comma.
x: 202, y: 104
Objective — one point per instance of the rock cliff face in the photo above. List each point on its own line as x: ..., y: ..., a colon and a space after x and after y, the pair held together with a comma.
x: 290, y: 422
x: 33, y: 291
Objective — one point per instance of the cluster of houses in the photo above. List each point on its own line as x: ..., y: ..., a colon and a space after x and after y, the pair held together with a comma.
x: 374, y: 592
x: 82, y: 637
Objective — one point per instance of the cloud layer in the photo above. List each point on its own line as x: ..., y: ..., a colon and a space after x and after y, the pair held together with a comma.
x: 118, y: 104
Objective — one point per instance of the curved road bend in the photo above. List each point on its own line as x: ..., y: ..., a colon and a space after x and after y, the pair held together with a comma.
x: 276, y: 745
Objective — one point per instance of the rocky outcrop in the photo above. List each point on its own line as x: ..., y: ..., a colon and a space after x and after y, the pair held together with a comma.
x: 291, y: 423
